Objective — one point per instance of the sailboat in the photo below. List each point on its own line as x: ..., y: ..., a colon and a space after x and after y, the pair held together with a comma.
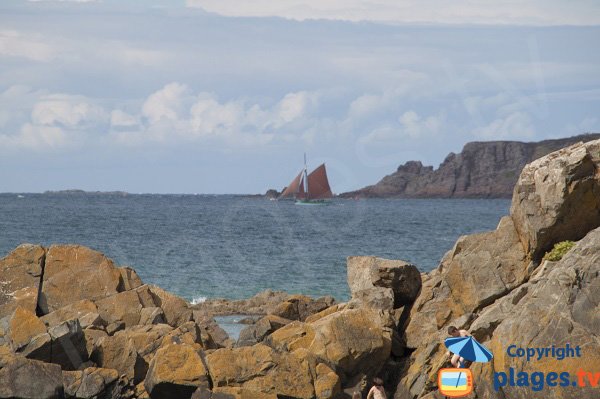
x: 309, y: 188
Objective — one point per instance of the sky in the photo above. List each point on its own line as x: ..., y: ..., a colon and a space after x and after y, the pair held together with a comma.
x: 225, y: 96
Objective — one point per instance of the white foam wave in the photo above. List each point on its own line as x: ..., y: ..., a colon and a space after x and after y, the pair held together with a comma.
x: 198, y: 299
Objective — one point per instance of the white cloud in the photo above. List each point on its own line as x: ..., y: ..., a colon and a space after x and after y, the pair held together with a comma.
x: 165, y: 104
x: 67, y: 110
x: 122, y: 118
x: 535, y: 12
x: 409, y: 125
x: 517, y: 125
x: 35, y: 137
x: 587, y: 125
x: 63, y: 1
x: 30, y: 46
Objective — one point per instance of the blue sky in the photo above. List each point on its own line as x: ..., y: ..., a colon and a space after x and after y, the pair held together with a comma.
x: 225, y: 96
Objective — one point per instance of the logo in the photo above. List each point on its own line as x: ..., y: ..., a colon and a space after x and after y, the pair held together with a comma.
x: 455, y: 383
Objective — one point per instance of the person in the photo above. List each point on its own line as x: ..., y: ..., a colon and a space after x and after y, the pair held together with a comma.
x: 377, y: 391
x: 456, y: 360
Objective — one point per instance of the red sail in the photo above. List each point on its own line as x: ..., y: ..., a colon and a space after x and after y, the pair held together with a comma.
x: 318, y: 185
x: 295, y: 187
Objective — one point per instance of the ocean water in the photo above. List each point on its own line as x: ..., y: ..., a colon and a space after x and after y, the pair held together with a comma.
x: 228, y: 246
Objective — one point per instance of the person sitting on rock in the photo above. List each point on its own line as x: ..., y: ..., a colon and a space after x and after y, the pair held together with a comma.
x: 377, y: 391
x: 456, y: 360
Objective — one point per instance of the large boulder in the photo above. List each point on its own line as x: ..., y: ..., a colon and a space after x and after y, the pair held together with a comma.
x: 131, y: 350
x: 175, y: 373
x: 24, y: 325
x: 28, y: 379
x: 557, y: 198
x: 258, y: 331
x: 352, y: 341
x: 91, y: 383
x: 299, y: 307
x: 73, y: 273
x: 383, y: 283
x: 562, y: 298
x: 75, y: 310
x: 123, y: 307
x: 176, y: 310
x: 20, y: 274
x: 260, y: 368
x: 479, y: 269
x: 68, y: 345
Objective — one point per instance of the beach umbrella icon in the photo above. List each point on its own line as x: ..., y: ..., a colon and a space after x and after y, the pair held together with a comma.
x: 469, y: 349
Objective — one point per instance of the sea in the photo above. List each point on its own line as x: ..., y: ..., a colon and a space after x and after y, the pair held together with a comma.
x: 226, y: 246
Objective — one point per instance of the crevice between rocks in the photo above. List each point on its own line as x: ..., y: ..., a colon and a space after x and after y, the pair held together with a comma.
x: 39, y: 312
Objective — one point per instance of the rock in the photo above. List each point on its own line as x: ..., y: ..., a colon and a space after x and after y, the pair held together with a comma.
x: 188, y: 333
x: 25, y: 378
x: 352, y: 341
x: 480, y: 170
x: 325, y: 312
x: 262, y: 369
x: 92, y: 337
x: 91, y: 320
x: 563, y: 300
x: 129, y: 279
x: 327, y: 383
x: 75, y: 310
x: 175, y: 372
x: 24, y: 325
x: 382, y: 283
x: 261, y: 304
x: 239, y: 393
x: 255, y: 333
x: 478, y: 270
x: 216, y: 337
x: 20, y: 273
x: 68, y: 345
x: 123, y: 307
x: 119, y: 352
x: 95, y: 274
x: 91, y: 383
x: 299, y: 307
x: 557, y: 198
x: 130, y: 351
x: 153, y: 315
x: 176, y: 310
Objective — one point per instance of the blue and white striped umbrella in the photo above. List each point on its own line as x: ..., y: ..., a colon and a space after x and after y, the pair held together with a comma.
x: 469, y: 349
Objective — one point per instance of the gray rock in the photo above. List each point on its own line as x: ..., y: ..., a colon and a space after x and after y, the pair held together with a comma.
x: 382, y: 283
x: 26, y: 378
x: 557, y: 198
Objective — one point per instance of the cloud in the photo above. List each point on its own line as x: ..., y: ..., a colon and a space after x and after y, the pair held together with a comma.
x: 63, y: 1
x: 533, y: 12
x: 67, y: 110
x: 410, y: 125
x: 35, y: 138
x: 517, y: 125
x: 166, y: 103
x: 29, y: 46
x: 119, y: 118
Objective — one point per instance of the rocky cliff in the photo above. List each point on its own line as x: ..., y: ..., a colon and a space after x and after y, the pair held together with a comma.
x: 74, y: 325
x: 481, y: 170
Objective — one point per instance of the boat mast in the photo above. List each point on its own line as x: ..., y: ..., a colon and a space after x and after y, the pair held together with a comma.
x: 306, y: 178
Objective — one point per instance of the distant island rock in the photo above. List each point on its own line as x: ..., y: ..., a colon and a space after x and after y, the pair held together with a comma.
x: 481, y: 170
x: 83, y: 192
x: 272, y: 193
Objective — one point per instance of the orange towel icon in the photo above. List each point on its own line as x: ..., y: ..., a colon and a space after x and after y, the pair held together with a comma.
x: 455, y: 383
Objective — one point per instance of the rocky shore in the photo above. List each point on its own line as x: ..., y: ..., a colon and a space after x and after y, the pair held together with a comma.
x: 481, y: 170
x: 75, y: 325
